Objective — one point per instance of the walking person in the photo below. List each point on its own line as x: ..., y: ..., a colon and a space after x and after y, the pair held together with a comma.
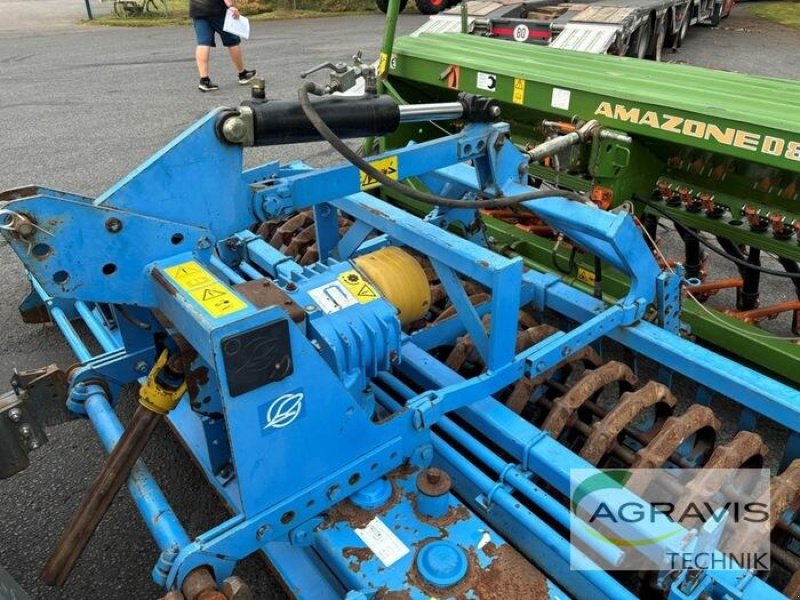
x: 208, y: 17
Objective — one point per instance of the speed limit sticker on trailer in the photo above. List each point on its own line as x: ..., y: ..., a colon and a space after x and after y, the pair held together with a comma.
x: 522, y: 33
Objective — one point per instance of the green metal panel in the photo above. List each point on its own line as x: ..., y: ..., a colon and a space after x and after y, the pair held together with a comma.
x: 673, y: 103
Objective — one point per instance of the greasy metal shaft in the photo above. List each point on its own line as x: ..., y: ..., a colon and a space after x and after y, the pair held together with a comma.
x: 85, y: 520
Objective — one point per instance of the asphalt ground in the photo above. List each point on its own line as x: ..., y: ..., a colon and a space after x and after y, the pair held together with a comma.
x: 80, y: 107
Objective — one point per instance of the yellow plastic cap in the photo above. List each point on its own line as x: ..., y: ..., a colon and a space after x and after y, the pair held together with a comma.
x: 401, y: 280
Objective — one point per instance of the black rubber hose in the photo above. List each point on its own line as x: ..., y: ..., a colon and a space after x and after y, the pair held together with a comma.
x: 427, y: 198
x: 713, y: 248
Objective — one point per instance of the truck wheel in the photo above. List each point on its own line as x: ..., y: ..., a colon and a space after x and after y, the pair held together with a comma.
x: 431, y: 7
x: 684, y: 30
x: 641, y: 41
x: 658, y: 42
x: 383, y: 5
x: 716, y: 14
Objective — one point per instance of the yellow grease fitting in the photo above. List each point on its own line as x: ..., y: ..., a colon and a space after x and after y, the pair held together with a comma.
x: 401, y: 279
x: 387, y: 166
x: 519, y: 91
x: 208, y: 291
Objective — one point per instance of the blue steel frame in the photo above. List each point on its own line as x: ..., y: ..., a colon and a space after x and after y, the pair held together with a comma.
x: 205, y: 215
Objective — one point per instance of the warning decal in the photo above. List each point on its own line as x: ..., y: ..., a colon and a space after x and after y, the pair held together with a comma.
x: 332, y: 297
x: 585, y: 276
x: 387, y: 166
x: 362, y: 291
x: 205, y: 289
x: 382, y: 64
x: 519, y: 91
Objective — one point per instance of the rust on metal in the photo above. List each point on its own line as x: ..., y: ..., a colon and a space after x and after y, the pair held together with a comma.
x: 532, y: 336
x: 263, y: 293
x: 792, y: 589
x: 359, y: 518
x: 783, y: 497
x: 19, y: 193
x: 164, y: 282
x: 358, y: 555
x: 699, y: 421
x: 434, y: 482
x: 705, y: 290
x: 632, y: 404
x: 588, y: 388
x: 587, y: 356
x: 746, y: 449
x: 195, y: 379
x: 200, y: 585
x: 510, y: 575
x: 450, y: 311
x: 460, y: 353
x: 767, y: 312
x: 454, y: 514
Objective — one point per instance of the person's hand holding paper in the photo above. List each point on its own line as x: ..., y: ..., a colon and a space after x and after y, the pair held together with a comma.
x: 236, y: 24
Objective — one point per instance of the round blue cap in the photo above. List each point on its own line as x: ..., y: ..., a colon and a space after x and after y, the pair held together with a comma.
x: 442, y: 564
x: 374, y: 495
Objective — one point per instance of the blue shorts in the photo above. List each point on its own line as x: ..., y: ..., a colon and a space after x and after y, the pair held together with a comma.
x: 206, y: 27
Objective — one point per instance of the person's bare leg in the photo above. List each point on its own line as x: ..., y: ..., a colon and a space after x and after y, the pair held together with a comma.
x: 237, y: 58
x: 201, y: 55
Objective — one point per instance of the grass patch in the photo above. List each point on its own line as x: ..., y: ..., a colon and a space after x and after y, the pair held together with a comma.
x: 177, y: 11
x: 785, y: 13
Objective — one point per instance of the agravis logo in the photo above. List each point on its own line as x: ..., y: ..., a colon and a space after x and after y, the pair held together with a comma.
x: 655, y: 519
x: 613, y: 479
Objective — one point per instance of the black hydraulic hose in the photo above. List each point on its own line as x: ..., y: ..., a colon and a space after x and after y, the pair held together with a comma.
x: 427, y: 198
x: 713, y: 248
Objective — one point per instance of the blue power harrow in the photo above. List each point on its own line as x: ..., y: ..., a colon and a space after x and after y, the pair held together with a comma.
x: 385, y: 405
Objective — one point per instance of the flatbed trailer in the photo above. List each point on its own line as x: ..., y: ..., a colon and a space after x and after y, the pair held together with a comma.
x: 640, y: 28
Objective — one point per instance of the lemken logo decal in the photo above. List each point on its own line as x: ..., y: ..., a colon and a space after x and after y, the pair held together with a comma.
x: 284, y: 410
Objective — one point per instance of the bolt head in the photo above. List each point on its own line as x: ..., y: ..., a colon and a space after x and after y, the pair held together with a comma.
x: 15, y: 415
x: 141, y: 367
x: 113, y: 225
x: 25, y: 430
x: 433, y: 475
x: 235, y: 588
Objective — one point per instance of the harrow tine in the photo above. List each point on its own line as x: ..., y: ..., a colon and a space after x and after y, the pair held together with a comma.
x: 588, y: 388
x: 632, y: 404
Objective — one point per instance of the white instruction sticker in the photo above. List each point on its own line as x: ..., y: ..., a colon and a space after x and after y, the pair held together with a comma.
x: 385, y: 544
x: 486, y: 81
x: 560, y: 99
x: 332, y: 297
